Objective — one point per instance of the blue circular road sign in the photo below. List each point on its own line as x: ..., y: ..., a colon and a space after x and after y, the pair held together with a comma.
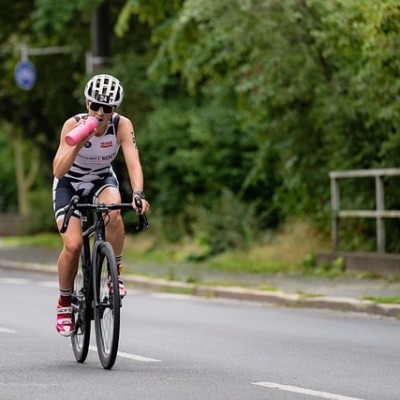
x: 25, y: 75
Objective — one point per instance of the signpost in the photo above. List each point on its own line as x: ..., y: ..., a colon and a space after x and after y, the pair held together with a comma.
x: 25, y: 71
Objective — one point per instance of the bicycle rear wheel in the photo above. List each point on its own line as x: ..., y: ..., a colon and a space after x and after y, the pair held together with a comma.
x: 81, y: 313
x: 107, y: 305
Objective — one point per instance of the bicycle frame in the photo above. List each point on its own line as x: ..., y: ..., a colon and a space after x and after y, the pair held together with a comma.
x: 95, y: 296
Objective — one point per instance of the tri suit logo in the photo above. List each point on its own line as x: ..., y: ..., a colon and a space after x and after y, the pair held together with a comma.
x: 103, y: 145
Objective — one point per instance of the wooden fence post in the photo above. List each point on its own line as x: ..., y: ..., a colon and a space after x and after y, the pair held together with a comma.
x: 335, y: 204
x: 380, y: 207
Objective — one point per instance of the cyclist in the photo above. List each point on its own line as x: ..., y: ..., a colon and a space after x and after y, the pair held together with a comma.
x: 85, y: 169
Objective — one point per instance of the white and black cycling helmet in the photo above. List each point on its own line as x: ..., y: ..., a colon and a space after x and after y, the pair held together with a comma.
x: 104, y: 89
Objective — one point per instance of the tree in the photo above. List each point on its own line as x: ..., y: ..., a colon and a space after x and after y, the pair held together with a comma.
x: 257, y: 98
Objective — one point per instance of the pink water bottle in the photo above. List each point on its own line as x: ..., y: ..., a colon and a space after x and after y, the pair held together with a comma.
x: 81, y: 131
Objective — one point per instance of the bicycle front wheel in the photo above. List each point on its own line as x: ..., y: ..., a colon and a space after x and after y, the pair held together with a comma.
x: 82, y: 313
x: 107, y: 305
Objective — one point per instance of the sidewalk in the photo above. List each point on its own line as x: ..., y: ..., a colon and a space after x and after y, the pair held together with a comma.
x: 345, y: 294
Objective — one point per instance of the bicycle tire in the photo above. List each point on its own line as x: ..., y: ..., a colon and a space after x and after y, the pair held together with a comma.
x: 82, y: 298
x: 107, y: 305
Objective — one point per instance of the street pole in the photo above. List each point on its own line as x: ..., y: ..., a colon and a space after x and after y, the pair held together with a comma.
x: 99, y: 56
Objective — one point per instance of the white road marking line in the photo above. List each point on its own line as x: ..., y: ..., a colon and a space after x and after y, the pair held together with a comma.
x: 15, y: 281
x: 171, y: 296
x: 134, y: 357
x: 6, y: 330
x: 50, y: 284
x: 295, y: 389
x: 137, y: 357
x: 23, y: 281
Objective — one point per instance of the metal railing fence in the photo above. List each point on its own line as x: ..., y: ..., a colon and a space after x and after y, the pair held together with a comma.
x: 380, y: 213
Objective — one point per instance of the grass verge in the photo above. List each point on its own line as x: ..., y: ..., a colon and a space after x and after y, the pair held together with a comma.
x: 283, y: 251
x: 383, y: 300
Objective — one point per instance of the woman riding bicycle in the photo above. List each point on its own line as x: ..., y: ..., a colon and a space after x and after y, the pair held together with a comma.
x: 85, y: 169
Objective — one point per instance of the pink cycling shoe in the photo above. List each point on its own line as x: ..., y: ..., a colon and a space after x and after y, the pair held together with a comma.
x: 65, y: 325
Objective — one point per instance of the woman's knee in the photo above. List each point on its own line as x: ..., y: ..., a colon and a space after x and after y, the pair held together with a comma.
x: 115, y: 221
x: 73, y: 246
x: 72, y: 238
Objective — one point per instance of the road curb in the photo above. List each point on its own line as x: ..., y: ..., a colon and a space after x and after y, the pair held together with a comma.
x: 239, y: 293
x: 275, y: 297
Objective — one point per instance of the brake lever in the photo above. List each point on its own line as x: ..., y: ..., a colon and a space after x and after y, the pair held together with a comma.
x: 142, y: 218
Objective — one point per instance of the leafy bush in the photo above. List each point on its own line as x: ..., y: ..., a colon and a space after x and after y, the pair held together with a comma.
x: 227, y: 224
x: 42, y: 214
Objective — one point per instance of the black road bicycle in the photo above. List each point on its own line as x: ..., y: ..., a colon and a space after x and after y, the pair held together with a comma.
x: 96, y: 287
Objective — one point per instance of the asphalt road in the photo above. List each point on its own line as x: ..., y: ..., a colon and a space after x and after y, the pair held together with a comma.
x: 176, y: 347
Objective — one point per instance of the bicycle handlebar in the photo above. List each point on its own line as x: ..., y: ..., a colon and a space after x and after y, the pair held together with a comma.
x: 103, y: 208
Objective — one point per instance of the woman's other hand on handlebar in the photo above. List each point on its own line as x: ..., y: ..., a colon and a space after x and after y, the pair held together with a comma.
x: 139, y: 203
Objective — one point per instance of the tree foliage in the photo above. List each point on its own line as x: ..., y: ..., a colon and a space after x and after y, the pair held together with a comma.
x: 260, y: 99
